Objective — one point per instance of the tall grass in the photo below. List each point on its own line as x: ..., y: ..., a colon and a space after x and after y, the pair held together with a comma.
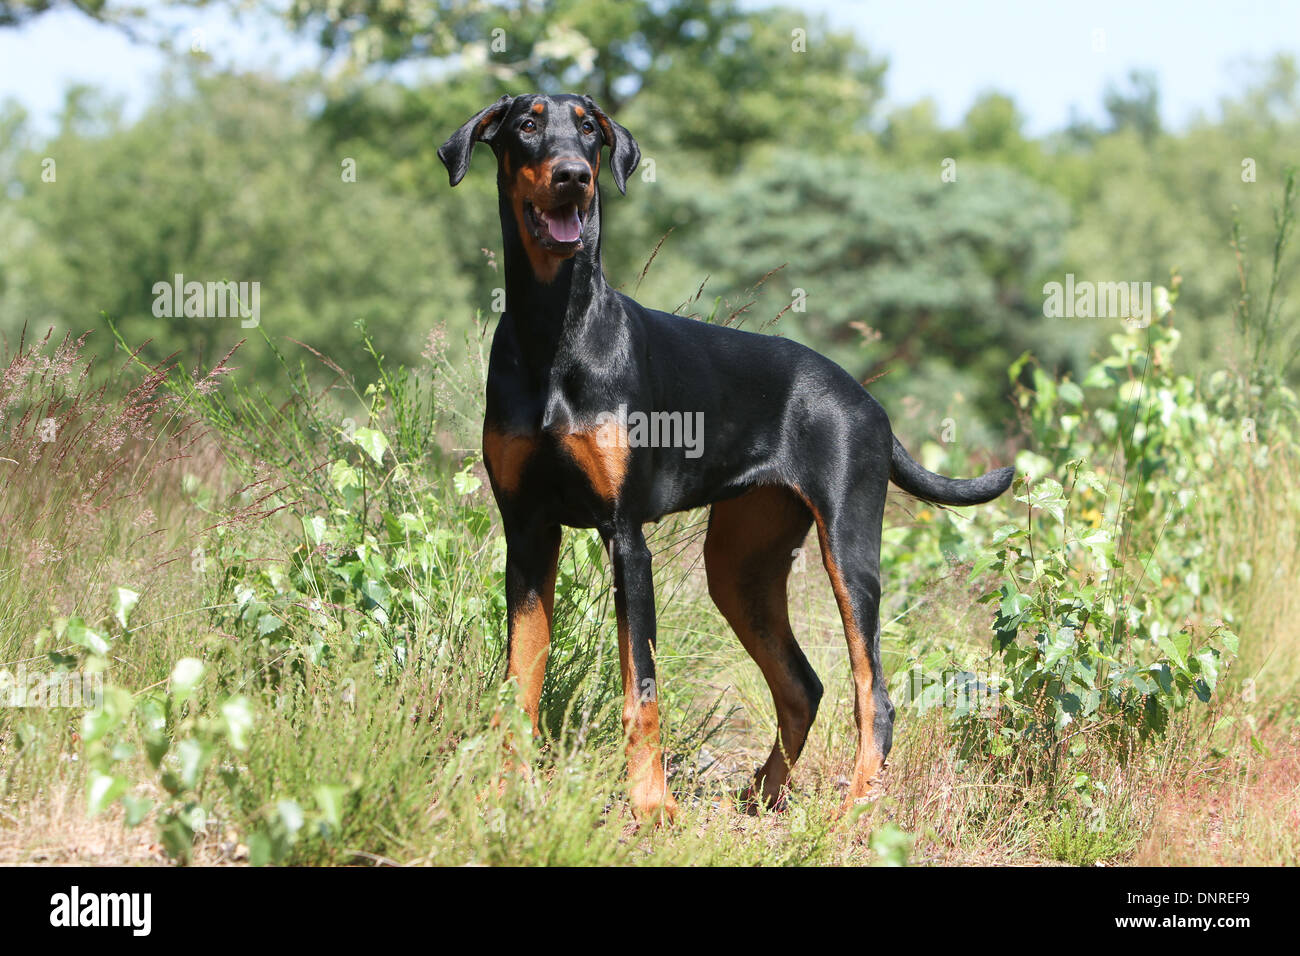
x: 311, y: 673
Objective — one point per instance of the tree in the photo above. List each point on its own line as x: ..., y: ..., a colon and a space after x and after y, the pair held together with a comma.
x: 1137, y: 109
x: 227, y: 181
x: 716, y: 77
x: 949, y: 273
x: 15, y: 13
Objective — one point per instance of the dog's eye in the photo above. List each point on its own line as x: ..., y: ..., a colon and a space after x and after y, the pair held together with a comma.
x: 588, y: 127
x: 528, y: 126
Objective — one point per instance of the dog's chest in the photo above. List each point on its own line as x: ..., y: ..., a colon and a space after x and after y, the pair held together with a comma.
x: 574, y: 474
x: 551, y: 442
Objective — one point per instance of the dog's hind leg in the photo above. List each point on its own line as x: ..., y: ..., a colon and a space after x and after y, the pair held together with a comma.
x: 849, y: 531
x: 751, y: 543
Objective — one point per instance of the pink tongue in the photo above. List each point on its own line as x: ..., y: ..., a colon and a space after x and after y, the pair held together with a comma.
x: 564, y: 225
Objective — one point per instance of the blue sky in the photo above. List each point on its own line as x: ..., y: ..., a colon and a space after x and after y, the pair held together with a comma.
x: 1042, y: 53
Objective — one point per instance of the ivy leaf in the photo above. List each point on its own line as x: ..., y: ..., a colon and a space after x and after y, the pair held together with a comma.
x: 101, y: 790
x: 1209, y: 661
x: 373, y: 442
x: 137, y: 808
x: 77, y: 633
x: 186, y: 676
x: 237, y: 714
x: 193, y: 755
x: 1176, y: 647
x: 1049, y: 496
x: 465, y: 481
x: 124, y: 600
x: 329, y: 799
x: 344, y: 477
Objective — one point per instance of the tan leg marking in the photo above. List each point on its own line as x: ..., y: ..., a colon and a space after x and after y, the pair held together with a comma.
x: 647, y: 787
x: 530, y: 645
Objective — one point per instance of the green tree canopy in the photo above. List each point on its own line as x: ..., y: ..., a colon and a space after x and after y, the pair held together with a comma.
x: 226, y: 181
x: 707, y: 75
x: 946, y: 272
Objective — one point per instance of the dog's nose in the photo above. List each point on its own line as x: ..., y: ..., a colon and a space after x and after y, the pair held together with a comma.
x: 571, y: 172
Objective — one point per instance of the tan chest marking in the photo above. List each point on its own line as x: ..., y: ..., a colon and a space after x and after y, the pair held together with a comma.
x: 601, y: 453
x: 507, y: 455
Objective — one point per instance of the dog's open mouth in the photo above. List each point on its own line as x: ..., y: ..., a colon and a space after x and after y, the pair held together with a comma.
x: 559, y: 228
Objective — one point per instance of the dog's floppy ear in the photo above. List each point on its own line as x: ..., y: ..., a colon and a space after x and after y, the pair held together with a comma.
x: 624, y: 154
x: 483, y: 125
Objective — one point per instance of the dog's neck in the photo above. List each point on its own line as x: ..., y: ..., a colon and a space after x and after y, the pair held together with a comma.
x: 549, y: 313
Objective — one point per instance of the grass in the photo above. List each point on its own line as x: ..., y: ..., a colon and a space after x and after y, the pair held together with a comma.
x: 349, y: 623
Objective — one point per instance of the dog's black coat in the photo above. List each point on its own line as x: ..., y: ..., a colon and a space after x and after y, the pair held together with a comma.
x: 789, y: 439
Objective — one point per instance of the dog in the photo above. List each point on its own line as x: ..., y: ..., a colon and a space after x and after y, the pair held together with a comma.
x: 789, y: 440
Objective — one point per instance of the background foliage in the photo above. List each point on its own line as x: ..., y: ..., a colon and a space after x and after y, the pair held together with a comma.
x: 762, y: 156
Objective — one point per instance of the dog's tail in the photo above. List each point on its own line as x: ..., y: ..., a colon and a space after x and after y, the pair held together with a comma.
x: 905, y: 472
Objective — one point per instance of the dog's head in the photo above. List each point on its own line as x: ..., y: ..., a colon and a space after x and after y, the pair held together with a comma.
x: 548, y: 152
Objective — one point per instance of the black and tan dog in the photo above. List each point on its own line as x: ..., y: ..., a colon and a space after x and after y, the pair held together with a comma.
x: 789, y: 440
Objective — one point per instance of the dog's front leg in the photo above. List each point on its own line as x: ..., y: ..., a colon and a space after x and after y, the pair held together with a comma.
x: 634, y: 603
x: 532, y: 550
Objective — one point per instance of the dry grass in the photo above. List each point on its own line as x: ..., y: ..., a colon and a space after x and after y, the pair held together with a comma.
x: 1261, y: 528
x: 1241, y: 808
x: 1234, y: 799
x: 1222, y: 788
x: 55, y: 831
